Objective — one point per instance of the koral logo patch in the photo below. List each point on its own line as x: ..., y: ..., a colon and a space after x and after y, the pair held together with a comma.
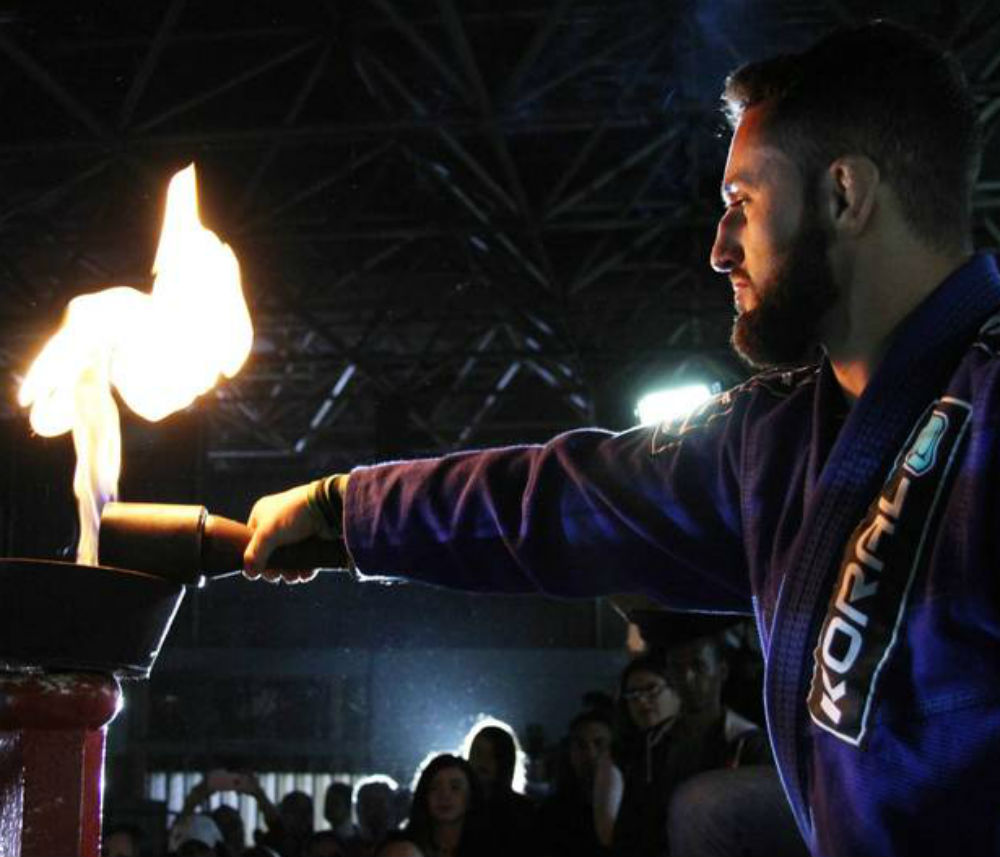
x: 881, y: 558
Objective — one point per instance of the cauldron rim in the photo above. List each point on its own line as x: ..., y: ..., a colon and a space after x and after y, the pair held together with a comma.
x: 58, y: 615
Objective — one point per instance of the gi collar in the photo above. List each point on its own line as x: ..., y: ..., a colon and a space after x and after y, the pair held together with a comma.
x: 922, y: 355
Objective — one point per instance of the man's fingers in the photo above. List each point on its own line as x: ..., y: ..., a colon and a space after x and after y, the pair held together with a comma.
x: 276, y: 520
x: 255, y: 559
x: 256, y: 555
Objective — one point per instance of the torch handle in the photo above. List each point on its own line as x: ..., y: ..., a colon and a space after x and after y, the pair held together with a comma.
x: 225, y: 540
x: 186, y: 544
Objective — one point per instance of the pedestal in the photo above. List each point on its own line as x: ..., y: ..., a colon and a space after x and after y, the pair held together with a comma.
x: 52, y: 731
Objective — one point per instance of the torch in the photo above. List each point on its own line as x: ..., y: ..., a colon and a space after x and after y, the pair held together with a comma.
x: 70, y: 631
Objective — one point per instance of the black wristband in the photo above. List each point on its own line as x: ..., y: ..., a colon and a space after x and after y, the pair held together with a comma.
x: 326, y: 500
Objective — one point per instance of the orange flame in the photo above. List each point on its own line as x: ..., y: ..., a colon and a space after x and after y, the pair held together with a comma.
x: 160, y: 351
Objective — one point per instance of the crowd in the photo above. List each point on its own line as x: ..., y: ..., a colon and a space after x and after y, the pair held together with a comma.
x: 663, y: 768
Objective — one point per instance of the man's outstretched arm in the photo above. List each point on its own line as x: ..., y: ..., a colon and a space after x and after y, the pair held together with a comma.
x: 588, y: 513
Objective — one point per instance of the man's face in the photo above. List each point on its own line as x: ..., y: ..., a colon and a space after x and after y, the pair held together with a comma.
x: 698, y: 673
x: 589, y: 742
x: 771, y: 243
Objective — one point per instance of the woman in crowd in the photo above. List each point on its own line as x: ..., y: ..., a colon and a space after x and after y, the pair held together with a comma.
x: 510, y: 817
x: 569, y: 818
x: 446, y: 819
x: 654, y: 760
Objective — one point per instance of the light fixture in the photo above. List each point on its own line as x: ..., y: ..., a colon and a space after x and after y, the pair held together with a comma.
x: 662, y: 405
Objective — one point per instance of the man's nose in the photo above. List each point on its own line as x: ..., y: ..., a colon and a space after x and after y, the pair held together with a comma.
x: 727, y: 253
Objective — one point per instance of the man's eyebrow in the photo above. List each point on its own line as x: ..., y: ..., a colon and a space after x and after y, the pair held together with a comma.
x: 730, y: 186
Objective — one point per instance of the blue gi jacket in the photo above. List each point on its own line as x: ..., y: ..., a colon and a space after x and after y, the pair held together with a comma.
x: 865, y: 542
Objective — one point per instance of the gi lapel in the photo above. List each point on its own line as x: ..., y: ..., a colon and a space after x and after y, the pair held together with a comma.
x: 922, y: 356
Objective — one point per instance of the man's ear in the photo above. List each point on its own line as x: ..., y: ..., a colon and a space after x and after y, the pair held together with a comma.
x: 851, y: 186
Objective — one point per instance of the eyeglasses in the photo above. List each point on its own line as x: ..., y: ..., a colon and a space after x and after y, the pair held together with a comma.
x: 646, y: 691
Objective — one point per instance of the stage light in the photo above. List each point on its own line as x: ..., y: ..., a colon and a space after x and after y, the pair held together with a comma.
x: 671, y: 403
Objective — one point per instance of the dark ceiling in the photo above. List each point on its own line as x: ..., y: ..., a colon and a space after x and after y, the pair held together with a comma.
x: 460, y: 222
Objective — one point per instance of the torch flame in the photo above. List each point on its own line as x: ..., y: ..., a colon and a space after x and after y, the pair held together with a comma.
x: 159, y: 350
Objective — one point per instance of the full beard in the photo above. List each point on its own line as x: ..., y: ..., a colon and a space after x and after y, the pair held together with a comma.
x: 783, y: 329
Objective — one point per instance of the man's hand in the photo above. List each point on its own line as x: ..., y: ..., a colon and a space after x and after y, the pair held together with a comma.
x: 275, y: 520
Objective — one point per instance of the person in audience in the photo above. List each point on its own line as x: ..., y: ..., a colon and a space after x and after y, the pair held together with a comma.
x: 226, y: 818
x: 510, y: 816
x: 567, y: 817
x: 636, y: 802
x: 376, y: 804
x: 716, y: 791
x: 289, y: 824
x: 230, y: 823
x: 196, y: 835
x: 447, y: 817
x: 337, y: 806
x: 123, y: 840
x: 729, y: 799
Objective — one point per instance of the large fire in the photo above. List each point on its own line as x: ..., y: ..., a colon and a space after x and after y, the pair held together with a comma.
x: 160, y: 351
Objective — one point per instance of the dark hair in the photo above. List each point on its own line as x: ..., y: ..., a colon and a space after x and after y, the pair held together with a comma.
x: 652, y: 661
x: 885, y: 92
x: 420, y: 828
x: 340, y: 788
x: 565, y: 777
x: 505, y: 751
x: 591, y: 715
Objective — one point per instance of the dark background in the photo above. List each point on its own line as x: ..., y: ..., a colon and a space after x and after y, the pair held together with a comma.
x: 459, y: 223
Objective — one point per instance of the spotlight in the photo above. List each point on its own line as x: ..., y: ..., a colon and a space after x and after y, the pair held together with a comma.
x: 671, y: 403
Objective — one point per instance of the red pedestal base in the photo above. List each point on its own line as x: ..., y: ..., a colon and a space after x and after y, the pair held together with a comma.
x: 52, y: 729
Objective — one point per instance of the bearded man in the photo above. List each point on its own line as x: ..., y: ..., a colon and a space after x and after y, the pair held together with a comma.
x: 848, y: 499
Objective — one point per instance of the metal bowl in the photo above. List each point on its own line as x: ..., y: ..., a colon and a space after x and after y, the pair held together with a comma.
x: 63, y: 616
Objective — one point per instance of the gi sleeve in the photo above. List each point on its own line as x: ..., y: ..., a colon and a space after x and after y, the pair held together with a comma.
x: 650, y: 511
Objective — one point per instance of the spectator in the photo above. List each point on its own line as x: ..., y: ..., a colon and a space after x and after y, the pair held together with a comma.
x: 123, y: 840
x: 510, y: 816
x: 567, y: 818
x: 230, y: 823
x: 196, y: 835
x: 376, y: 804
x: 337, y: 805
x: 729, y: 799
x: 706, y: 805
x: 697, y: 666
x: 226, y: 818
x: 289, y: 824
x: 651, y: 707
x: 448, y: 811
